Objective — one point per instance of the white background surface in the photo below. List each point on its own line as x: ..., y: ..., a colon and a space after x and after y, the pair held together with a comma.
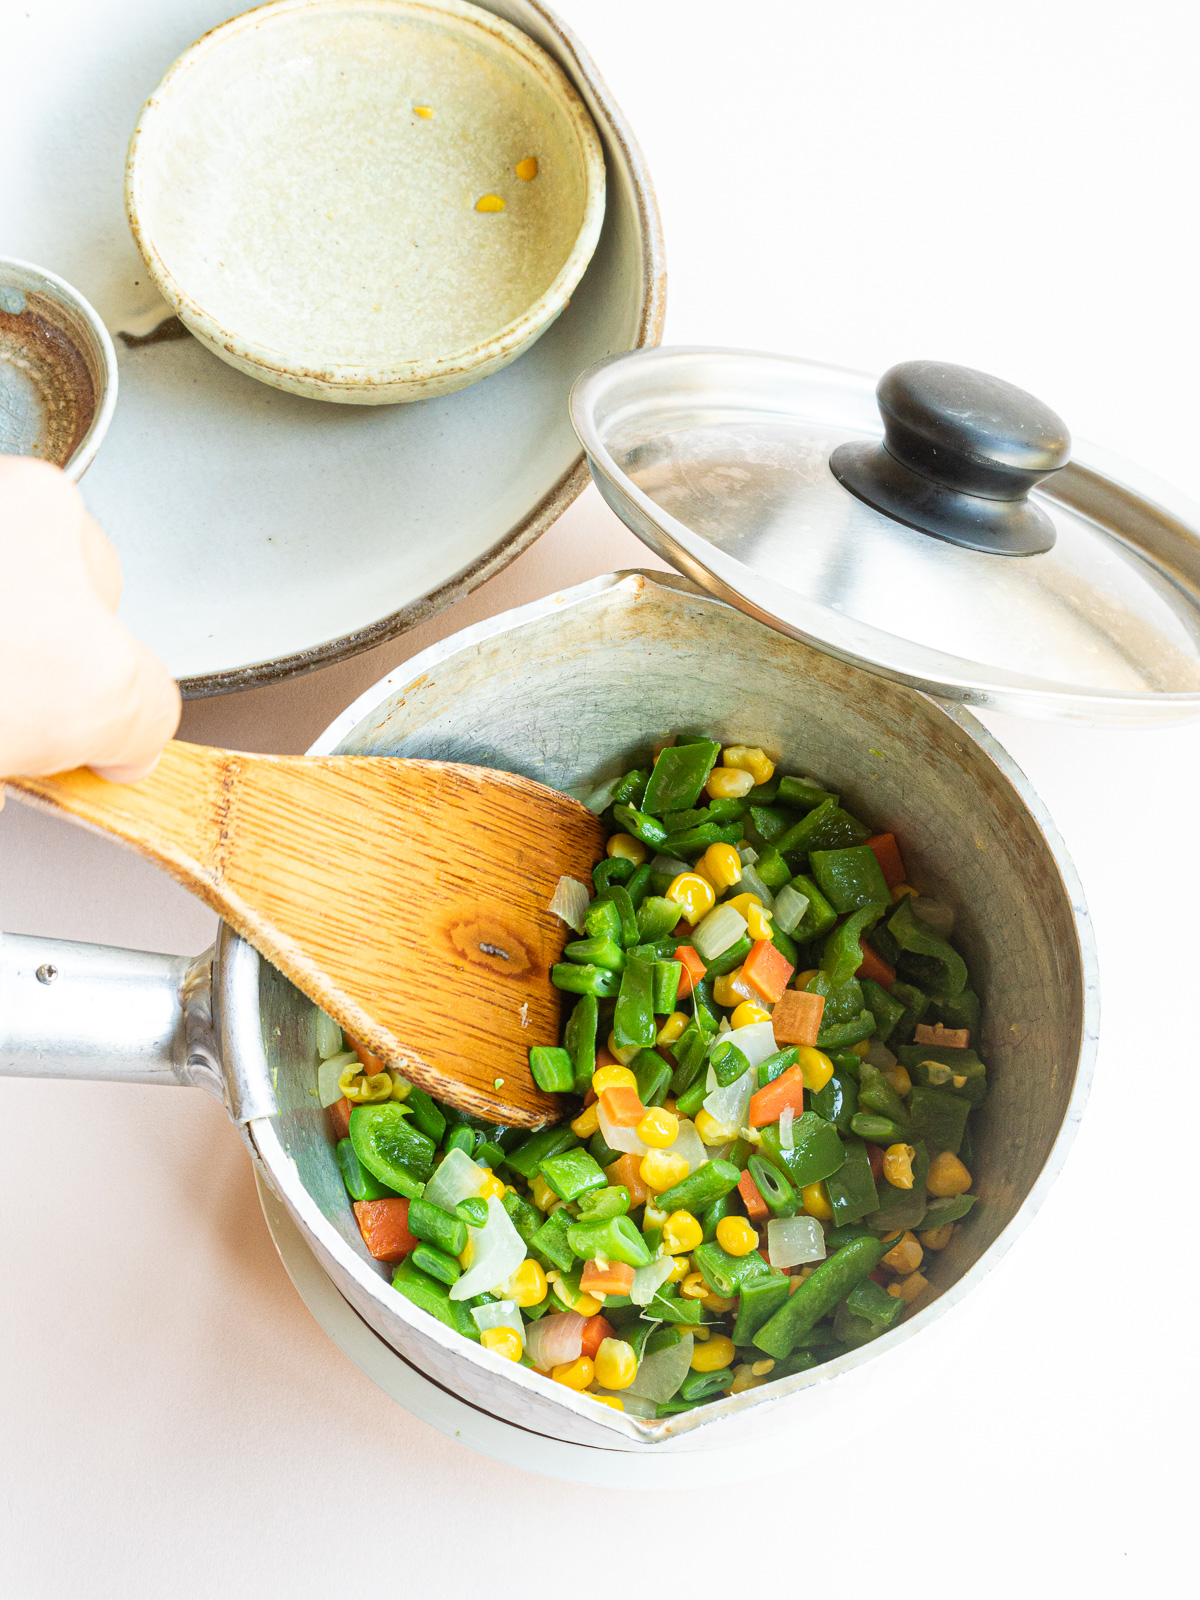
x: 1008, y: 186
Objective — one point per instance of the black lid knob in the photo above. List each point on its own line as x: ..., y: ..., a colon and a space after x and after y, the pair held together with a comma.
x: 960, y: 453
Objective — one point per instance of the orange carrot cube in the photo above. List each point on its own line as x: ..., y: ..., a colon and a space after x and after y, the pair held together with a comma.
x: 384, y: 1227
x: 627, y: 1171
x: 615, y: 1278
x: 796, y: 1018
x: 887, y: 853
x: 874, y: 966
x: 622, y: 1106
x: 756, y: 1206
x: 766, y: 970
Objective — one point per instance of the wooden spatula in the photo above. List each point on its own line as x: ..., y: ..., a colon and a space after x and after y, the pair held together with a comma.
x: 408, y: 898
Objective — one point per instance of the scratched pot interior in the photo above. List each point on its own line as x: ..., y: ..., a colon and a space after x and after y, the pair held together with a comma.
x: 578, y: 693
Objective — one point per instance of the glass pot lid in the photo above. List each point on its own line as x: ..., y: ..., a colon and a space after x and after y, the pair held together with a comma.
x: 940, y: 529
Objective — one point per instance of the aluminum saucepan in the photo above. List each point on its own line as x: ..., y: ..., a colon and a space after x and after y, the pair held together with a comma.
x: 567, y: 691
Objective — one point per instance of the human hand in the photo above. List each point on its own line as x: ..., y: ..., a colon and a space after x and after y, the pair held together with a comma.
x: 76, y: 687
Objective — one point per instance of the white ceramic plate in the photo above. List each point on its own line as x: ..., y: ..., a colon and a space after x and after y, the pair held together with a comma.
x: 263, y: 534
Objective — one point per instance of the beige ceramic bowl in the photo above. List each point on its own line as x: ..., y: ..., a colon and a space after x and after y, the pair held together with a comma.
x: 304, y: 185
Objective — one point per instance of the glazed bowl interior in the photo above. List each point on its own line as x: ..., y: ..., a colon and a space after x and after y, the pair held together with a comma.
x: 574, y: 689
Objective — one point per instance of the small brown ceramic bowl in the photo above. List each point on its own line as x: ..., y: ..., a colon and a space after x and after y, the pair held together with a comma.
x: 58, y: 370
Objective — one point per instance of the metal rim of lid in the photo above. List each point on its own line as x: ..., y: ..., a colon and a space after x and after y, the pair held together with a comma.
x: 1158, y: 524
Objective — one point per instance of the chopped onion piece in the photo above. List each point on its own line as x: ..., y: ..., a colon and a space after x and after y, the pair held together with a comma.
x: 786, y: 1139
x: 600, y: 799
x: 328, y: 1074
x: 554, y: 1339
x: 499, y: 1251
x: 790, y: 906
x: 499, y: 1314
x: 329, y: 1036
x: 660, y: 1375
x: 620, y: 1138
x: 880, y: 1056
x: 688, y: 1144
x: 936, y: 914
x: 671, y: 864
x: 631, y: 1404
x: 752, y: 884
x: 756, y: 1041
x: 717, y: 932
x: 458, y: 1178
x: 649, y: 1279
x: 791, y: 1241
x: 570, y: 901
x: 729, y: 1107
x: 747, y: 854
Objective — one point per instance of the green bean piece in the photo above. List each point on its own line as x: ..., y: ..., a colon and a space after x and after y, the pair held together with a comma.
x: 390, y: 1148
x: 436, y: 1263
x: 851, y: 1189
x: 700, y: 1188
x: 528, y: 1156
x: 584, y: 980
x: 438, y: 1227
x: 603, y: 952
x: 728, y: 1062
x: 927, y: 960
x: 579, y: 1037
x: 774, y: 1066
x: 726, y: 1206
x: 461, y: 1138
x: 786, y: 946
x: 653, y: 1077
x: 433, y: 1298
x: 612, y: 870
x: 572, y: 1174
x: 724, y: 1273
x: 551, y: 1068
x: 656, y: 917
x: 679, y: 774
x: 758, y: 1301
x: 667, y: 976
x: 603, y: 921
x: 832, y: 1280
x: 876, y: 1129
x: 525, y: 1218
x: 700, y: 1386
x: 638, y: 886
x: 611, y: 1201
x: 620, y: 898
x: 817, y: 1152
x: 803, y: 796
x: 360, y: 1184
x: 551, y: 1241
x: 840, y: 1034
x: 867, y: 1311
x: 729, y: 959
x: 631, y: 788
x: 614, y: 1238
x: 775, y: 1189
x: 603, y: 1154
x: 938, y: 1118
x: 633, y: 1020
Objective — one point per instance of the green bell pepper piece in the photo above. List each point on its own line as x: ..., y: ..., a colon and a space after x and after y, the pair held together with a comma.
x: 773, y: 869
x: 579, y: 1036
x: 886, y: 1011
x: 584, y: 980
x: 632, y: 787
x: 832, y: 1280
x: 938, y: 1118
x: 960, y: 1012
x: 724, y: 1273
x: 817, y: 1152
x: 903, y: 1208
x: 946, y: 1208
x: 646, y: 828
x: 620, y: 898
x: 820, y: 915
x: 876, y: 1094
x: 926, y: 959
x: 653, y: 1077
x: 851, y: 878
x: 827, y: 827
x: 633, y: 1020
x: 851, y: 1189
x: 611, y: 871
x: 390, y: 1148
x: 843, y: 1001
x: 679, y: 775
x: 842, y: 955
x: 935, y: 1066
x: 867, y: 1311
x: 437, y: 1227
x: 837, y: 1101
x: 696, y: 840
x: 526, y: 1219
x: 656, y: 917
x: 667, y: 976
x: 552, y: 1241
x: 615, y: 1238
x: 529, y: 1155
x: 433, y: 1297
x: 915, y: 1002
x: 360, y: 1184
x: 803, y: 796
x: 425, y: 1114
x: 701, y: 1188
x: 770, y: 822
x: 758, y: 1300
x: 601, y: 952
x: 611, y: 1201
x: 572, y: 1174
x: 551, y: 1068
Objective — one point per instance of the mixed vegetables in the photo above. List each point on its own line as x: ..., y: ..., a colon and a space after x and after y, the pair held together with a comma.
x: 770, y: 1050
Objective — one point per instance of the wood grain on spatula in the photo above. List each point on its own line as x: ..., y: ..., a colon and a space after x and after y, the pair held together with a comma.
x: 408, y: 898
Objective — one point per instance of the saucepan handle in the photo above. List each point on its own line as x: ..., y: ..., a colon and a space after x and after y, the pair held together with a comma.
x: 88, y: 1011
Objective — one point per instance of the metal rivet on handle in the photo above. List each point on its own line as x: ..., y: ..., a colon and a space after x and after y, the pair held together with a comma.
x: 47, y: 973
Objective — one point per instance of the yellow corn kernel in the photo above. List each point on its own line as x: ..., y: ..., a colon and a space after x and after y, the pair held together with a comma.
x: 743, y: 1379
x: 742, y: 903
x: 587, y: 1122
x: 575, y: 1300
x: 700, y: 1331
x: 504, y: 1342
x: 815, y: 1199
x: 803, y: 979
x: 761, y: 1368
x: 528, y: 1285
x: 575, y: 1374
x: 897, y: 1165
x: 527, y: 170
x: 758, y: 923
x: 680, y: 1267
x: 401, y: 1088
x: 360, y: 1088
x: 614, y: 1401
x: 908, y: 1288
x: 937, y: 1238
x: 713, y: 1354
x: 627, y: 847
x: 610, y: 1077
x: 681, y: 1231
x: 860, y: 1049
x: 661, y: 1170
x: 899, y: 1079
x: 624, y: 1055
x: 616, y: 1364
x: 947, y: 1176
x: 423, y: 111
x: 672, y: 1028
x: 902, y: 889
x: 729, y: 783
x: 737, y: 1238
x: 721, y: 865
x: 540, y: 1192
x: 747, y: 1013
x: 905, y: 1256
x: 694, y: 893
x: 654, y: 1216
x: 493, y: 1188
x: 731, y: 988
x: 749, y: 758
x: 815, y: 1067
x: 718, y: 1304
x: 468, y: 1254
x: 710, y: 1130
x: 658, y: 1128
x: 693, y: 1286
x: 489, y: 202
